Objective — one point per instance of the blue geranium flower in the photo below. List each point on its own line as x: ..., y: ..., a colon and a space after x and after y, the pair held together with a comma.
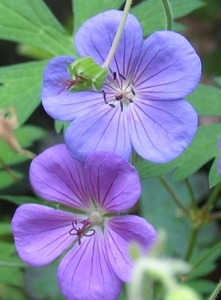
x: 141, y: 105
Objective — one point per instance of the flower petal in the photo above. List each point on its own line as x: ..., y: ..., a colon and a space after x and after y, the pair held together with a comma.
x: 60, y: 103
x: 85, y: 273
x: 159, y: 130
x: 41, y: 233
x: 56, y: 176
x: 169, y: 67
x: 113, y: 183
x: 96, y: 36
x: 119, y: 233
x: 101, y: 130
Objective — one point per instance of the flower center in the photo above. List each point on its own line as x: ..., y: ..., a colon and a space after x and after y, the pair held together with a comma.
x: 82, y: 228
x: 118, y: 90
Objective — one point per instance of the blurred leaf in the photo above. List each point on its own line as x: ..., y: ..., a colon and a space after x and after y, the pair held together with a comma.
x: 5, y: 228
x: 155, y: 201
x: 33, y: 52
x: 11, y: 293
x: 31, y: 22
x: 41, y: 283
x: 21, y: 88
x: 84, y: 9
x: 151, y: 14
x: 6, y: 179
x: 19, y: 200
x: 202, y: 286
x: 203, y: 148
x: 218, y: 80
x: 9, y: 262
x: 206, y: 100
x: 214, y: 176
x: 206, y: 266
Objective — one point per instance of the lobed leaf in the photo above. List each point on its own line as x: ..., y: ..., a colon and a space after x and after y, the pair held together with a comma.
x: 21, y: 86
x: 203, y: 148
x: 206, y: 100
x: 84, y: 9
x: 31, y: 22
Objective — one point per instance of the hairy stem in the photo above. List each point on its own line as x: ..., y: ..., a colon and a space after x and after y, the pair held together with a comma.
x: 216, y: 291
x: 191, y: 192
x: 118, y: 34
x: 168, y: 14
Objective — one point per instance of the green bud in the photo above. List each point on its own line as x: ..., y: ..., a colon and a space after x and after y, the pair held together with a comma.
x: 86, y: 75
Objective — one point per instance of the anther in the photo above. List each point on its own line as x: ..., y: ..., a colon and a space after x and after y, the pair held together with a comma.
x: 104, y: 96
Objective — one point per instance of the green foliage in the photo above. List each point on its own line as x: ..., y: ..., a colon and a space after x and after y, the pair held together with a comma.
x: 84, y: 9
x: 203, y: 148
x: 31, y: 22
x: 158, y: 208
x: 41, y: 283
x: 206, y: 100
x: 151, y: 14
x: 21, y: 88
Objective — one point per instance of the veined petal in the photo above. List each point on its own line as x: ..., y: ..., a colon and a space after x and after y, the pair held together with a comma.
x: 159, y: 130
x: 41, y: 233
x: 100, y: 130
x: 57, y: 177
x: 113, y: 183
x: 168, y: 69
x: 119, y: 233
x: 85, y: 273
x: 60, y: 103
x: 95, y: 38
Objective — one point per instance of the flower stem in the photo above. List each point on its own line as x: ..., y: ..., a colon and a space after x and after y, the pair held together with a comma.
x: 168, y: 14
x: 192, y: 195
x: 174, y: 196
x: 216, y: 291
x: 192, y: 243
x: 118, y: 34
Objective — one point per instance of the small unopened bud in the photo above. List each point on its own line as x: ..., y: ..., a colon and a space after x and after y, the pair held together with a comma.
x: 182, y: 292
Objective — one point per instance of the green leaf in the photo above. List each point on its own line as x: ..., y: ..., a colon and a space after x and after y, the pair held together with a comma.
x: 31, y: 22
x: 84, y: 9
x: 7, y: 179
x: 151, y: 14
x: 206, y: 100
x: 21, y: 88
x: 203, y: 148
x: 214, y: 176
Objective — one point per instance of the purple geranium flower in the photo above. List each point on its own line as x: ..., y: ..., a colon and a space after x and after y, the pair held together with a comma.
x: 141, y: 105
x: 99, y: 235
